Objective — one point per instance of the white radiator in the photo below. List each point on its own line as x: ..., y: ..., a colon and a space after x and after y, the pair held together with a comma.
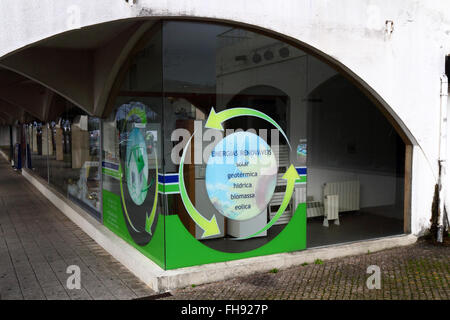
x: 314, y: 209
x: 331, y: 206
x: 348, y: 192
x: 282, y: 155
x: 299, y: 195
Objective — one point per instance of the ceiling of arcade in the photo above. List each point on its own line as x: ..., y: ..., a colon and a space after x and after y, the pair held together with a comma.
x: 77, y: 67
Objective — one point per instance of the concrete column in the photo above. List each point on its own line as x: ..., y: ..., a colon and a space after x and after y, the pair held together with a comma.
x: 34, y: 140
x: 59, y: 144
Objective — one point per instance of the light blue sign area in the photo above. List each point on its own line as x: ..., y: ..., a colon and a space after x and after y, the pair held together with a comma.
x: 301, y: 149
x: 136, y: 166
x: 241, y: 175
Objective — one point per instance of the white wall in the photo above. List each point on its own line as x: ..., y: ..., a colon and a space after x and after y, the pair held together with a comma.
x: 349, y: 139
x: 376, y: 190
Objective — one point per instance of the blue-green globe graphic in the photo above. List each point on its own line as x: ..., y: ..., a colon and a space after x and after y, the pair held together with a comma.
x: 136, y: 166
x: 241, y: 176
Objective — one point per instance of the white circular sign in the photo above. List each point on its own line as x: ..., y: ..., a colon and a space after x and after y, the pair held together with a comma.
x: 241, y: 176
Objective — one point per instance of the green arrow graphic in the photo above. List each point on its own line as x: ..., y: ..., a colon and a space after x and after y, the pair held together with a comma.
x: 138, y: 112
x: 210, y: 227
x: 215, y: 120
x: 150, y: 219
x: 123, y: 200
x: 291, y: 175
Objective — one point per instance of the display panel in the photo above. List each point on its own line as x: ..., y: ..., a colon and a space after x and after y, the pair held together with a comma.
x: 73, y: 154
x: 132, y: 154
x: 240, y: 193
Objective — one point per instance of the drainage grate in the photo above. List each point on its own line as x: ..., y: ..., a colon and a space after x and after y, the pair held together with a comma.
x: 155, y: 296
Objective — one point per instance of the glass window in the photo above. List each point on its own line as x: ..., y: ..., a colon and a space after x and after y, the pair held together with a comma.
x: 221, y: 143
x: 256, y: 84
x: 73, y: 153
x: 355, y: 158
x: 39, y: 149
x: 133, y: 153
x: 84, y: 133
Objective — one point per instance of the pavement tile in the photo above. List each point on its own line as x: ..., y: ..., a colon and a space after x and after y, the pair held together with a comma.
x: 78, y: 294
x: 420, y: 271
x: 33, y: 293
x: 11, y: 293
x: 38, y: 243
x: 55, y: 293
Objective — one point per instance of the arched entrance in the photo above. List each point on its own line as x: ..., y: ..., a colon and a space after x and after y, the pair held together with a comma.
x: 355, y: 153
x: 317, y: 120
x: 185, y: 71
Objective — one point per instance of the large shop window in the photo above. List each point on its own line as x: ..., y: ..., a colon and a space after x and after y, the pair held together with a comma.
x: 258, y: 78
x: 66, y: 152
x: 356, y: 160
x: 38, y: 155
x: 133, y: 164
x: 220, y: 143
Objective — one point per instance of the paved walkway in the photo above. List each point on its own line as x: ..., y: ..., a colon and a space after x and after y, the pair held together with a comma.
x: 38, y: 243
x: 420, y: 271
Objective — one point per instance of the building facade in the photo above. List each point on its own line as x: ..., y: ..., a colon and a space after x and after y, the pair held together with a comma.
x: 209, y: 132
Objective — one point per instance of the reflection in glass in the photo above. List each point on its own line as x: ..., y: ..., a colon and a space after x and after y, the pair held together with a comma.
x: 210, y: 66
x: 304, y: 114
x: 133, y: 153
x: 355, y: 158
x: 65, y: 151
x: 38, y: 147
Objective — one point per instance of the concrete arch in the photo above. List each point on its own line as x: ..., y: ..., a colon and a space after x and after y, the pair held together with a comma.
x: 5, y: 118
x: 88, y: 78
x: 297, y: 21
x: 35, y: 101
x: 11, y: 111
x: 301, y: 21
x: 82, y: 76
x: 335, y: 63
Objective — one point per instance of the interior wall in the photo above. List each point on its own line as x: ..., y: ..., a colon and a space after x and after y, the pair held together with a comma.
x: 349, y: 139
x: 376, y: 190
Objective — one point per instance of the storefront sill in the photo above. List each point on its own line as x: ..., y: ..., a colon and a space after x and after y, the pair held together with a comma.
x: 226, y: 270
